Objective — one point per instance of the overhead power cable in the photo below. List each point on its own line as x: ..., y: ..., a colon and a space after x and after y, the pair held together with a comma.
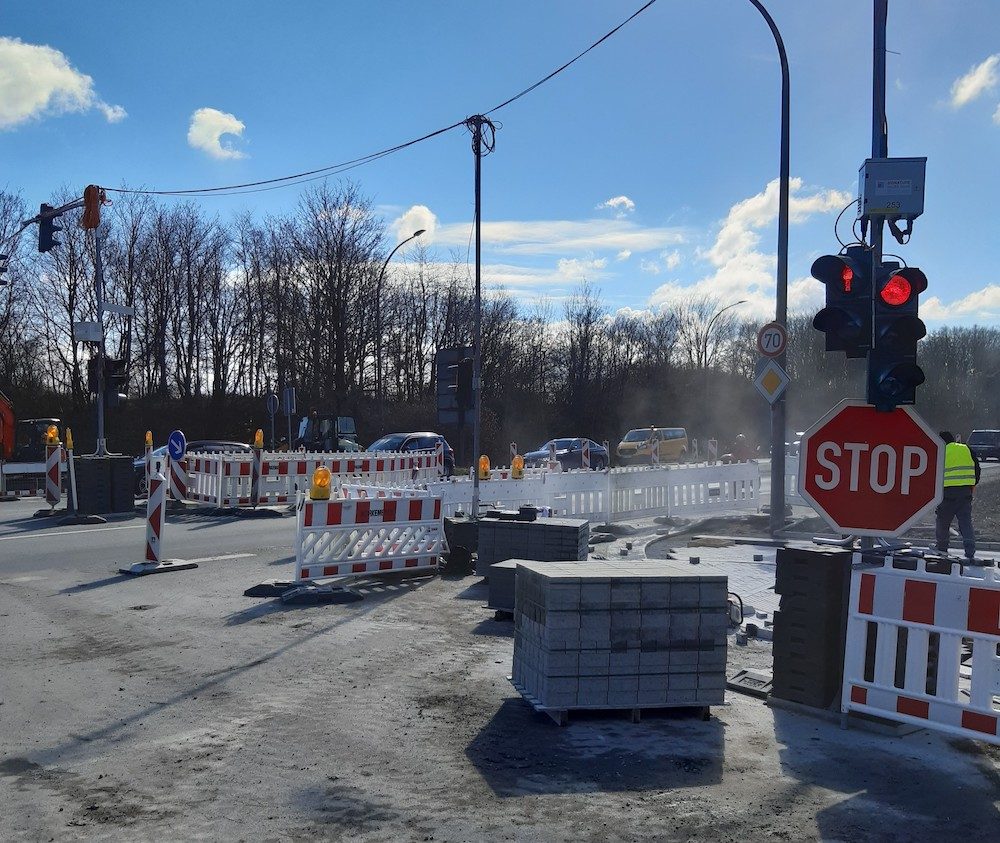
x: 334, y: 169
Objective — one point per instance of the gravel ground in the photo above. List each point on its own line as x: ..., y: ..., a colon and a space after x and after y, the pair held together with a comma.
x: 171, y: 707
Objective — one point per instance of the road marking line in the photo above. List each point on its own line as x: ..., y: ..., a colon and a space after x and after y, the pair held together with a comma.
x: 220, y: 558
x: 35, y: 535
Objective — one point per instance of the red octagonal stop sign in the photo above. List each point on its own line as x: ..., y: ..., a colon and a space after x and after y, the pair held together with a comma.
x: 871, y: 473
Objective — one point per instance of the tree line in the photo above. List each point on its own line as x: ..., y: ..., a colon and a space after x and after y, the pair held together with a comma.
x: 226, y: 311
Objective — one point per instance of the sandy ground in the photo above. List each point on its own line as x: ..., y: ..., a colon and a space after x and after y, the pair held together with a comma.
x: 172, y: 707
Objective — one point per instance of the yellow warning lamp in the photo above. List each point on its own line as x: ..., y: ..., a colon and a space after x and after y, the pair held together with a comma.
x: 320, y: 489
x: 149, y: 439
x: 69, y: 439
x: 517, y: 467
x: 258, y: 438
x: 484, y: 467
x: 52, y: 435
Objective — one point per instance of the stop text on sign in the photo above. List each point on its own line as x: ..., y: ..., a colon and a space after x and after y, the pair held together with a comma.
x: 887, y: 471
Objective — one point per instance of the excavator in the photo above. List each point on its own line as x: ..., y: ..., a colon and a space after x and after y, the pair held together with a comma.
x: 22, y: 449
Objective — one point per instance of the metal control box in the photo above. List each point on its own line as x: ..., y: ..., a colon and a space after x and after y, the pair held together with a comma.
x: 892, y: 188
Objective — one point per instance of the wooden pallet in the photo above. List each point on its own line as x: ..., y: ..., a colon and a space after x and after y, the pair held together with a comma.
x: 560, y: 716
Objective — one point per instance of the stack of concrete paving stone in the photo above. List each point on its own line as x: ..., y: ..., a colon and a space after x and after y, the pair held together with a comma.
x: 546, y: 539
x: 604, y: 634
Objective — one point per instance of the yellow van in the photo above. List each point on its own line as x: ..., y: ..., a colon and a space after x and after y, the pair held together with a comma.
x: 635, y: 447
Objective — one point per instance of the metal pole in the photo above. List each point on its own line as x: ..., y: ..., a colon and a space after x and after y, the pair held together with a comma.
x: 477, y: 149
x: 102, y: 448
x: 880, y: 135
x: 781, y: 297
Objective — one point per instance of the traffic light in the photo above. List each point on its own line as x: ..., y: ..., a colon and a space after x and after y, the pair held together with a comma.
x: 93, y: 382
x: 847, y: 318
x: 893, y: 373
x: 47, y: 228
x: 93, y: 197
x: 115, y: 382
x: 463, y: 384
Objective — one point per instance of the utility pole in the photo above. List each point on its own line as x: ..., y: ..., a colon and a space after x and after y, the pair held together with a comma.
x: 102, y: 445
x: 880, y: 133
x: 476, y: 125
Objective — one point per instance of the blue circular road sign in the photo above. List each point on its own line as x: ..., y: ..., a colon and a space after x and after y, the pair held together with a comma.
x: 176, y: 445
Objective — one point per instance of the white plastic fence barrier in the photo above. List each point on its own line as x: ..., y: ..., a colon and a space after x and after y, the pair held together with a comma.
x: 792, y: 495
x: 617, y: 494
x: 228, y: 480
x: 343, y: 537
x: 907, y: 628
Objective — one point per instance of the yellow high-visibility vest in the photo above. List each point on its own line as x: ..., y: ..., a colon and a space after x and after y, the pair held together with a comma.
x: 959, y: 467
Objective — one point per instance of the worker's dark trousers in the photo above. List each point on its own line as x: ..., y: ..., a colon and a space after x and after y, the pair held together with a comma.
x: 957, y: 502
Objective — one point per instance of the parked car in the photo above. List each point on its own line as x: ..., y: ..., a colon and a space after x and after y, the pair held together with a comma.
x: 985, y: 444
x: 635, y: 448
x: 423, y: 441
x: 569, y: 454
x: 199, y: 446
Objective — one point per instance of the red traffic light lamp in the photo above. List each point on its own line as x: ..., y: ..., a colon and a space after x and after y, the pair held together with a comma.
x: 893, y: 373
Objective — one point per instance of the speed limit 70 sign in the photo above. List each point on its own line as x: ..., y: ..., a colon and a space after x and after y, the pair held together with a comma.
x: 771, y: 339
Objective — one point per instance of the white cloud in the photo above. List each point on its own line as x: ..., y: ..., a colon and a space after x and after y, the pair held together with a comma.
x: 652, y: 267
x: 742, y: 271
x: 672, y: 259
x: 577, y: 268
x: 980, y: 79
x: 553, y: 237
x: 623, y: 255
x: 996, y: 116
x: 981, y: 304
x: 38, y: 81
x: 622, y: 205
x: 413, y: 219
x: 208, y: 125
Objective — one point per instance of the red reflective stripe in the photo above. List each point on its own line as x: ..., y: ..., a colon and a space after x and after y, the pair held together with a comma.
x: 385, y: 565
x: 305, y: 573
x: 918, y: 601
x: 984, y: 611
x: 331, y: 570
x: 334, y: 514
x: 380, y: 465
x: 866, y: 599
x: 358, y: 568
x: 411, y: 563
x: 984, y: 723
x: 437, y: 508
x: 362, y: 512
x: 416, y: 509
x: 389, y: 510
x: 308, y: 515
x: 859, y: 695
x: 914, y: 708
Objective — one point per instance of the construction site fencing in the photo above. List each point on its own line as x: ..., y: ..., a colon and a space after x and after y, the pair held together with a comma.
x: 350, y: 537
x: 922, y: 645
x: 242, y: 479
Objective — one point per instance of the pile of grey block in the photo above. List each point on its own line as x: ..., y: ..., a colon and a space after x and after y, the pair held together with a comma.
x: 604, y: 634
x: 545, y: 539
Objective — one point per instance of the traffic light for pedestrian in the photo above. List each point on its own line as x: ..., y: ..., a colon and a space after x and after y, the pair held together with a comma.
x: 47, y: 228
x: 115, y: 382
x: 847, y: 317
x: 893, y: 373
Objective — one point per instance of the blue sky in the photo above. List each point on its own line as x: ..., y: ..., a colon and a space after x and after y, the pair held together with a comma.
x: 644, y: 168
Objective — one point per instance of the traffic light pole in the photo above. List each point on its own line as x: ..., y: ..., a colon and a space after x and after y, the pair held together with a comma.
x: 880, y: 134
x: 781, y: 291
x: 102, y: 445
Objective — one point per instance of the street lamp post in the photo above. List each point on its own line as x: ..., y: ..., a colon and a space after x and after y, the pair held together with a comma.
x: 379, y: 381
x: 708, y: 329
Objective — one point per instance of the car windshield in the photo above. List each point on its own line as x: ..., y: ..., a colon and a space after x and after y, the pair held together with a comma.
x: 637, y: 435
x: 983, y: 437
x: 560, y: 444
x: 392, y: 442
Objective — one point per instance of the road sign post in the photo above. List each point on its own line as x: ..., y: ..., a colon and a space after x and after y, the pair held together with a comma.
x: 869, y: 473
x: 272, y: 410
x: 288, y: 408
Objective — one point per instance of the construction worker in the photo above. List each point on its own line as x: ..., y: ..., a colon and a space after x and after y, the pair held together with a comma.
x: 961, y: 474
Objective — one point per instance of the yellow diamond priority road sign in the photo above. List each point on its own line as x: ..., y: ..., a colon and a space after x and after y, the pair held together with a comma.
x: 771, y: 381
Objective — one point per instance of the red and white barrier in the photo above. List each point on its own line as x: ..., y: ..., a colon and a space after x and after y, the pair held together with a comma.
x: 338, y: 538
x: 903, y: 659
x: 178, y: 487
x: 585, y: 455
x: 53, y: 475
x: 154, y: 519
x: 439, y: 457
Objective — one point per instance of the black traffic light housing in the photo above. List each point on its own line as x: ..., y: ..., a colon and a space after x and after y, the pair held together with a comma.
x: 893, y: 373
x: 47, y: 228
x: 115, y: 382
x: 847, y: 317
